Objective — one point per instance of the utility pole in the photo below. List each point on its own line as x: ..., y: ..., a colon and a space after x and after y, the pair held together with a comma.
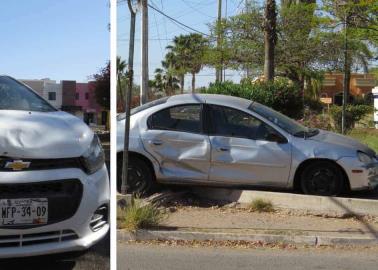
x: 218, y: 72
x: 125, y: 163
x: 346, y: 75
x: 144, y: 73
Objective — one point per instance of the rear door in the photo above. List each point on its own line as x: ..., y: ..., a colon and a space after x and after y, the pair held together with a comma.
x: 245, y: 150
x: 176, y: 139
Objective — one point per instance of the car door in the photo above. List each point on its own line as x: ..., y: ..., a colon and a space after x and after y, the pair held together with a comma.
x: 175, y: 138
x: 246, y: 150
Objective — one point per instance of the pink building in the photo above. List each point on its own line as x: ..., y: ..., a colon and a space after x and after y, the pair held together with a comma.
x: 86, y: 99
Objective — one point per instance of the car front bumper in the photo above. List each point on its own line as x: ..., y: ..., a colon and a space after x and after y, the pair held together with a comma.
x: 72, y: 234
x: 361, y: 176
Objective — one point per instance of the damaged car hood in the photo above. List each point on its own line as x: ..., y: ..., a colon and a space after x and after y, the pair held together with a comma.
x: 42, y: 135
x: 343, y: 141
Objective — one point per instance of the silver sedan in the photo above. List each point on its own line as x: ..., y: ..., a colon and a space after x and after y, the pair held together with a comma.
x: 220, y: 140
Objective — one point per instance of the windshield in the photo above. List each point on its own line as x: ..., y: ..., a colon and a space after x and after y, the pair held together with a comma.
x: 284, y: 122
x: 16, y: 96
x: 143, y: 107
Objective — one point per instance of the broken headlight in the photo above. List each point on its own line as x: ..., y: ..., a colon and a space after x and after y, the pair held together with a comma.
x: 94, y: 158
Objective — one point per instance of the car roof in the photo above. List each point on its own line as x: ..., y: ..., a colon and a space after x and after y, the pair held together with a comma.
x: 210, y: 99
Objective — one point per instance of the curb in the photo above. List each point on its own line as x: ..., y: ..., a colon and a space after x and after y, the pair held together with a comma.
x: 148, y: 235
x: 309, y: 203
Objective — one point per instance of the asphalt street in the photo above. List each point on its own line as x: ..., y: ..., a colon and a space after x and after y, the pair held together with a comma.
x: 154, y: 257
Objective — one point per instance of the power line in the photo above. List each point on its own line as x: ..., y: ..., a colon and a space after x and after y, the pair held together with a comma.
x: 176, y: 21
x: 197, y: 10
x: 157, y: 31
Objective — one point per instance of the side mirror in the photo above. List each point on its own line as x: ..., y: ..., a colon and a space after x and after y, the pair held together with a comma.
x: 275, y: 137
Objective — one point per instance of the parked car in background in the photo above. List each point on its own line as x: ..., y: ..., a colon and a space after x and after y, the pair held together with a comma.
x: 54, y: 186
x: 220, y: 140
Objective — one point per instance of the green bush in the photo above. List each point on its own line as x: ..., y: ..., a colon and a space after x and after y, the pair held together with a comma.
x: 139, y: 215
x: 281, y: 94
x: 314, y: 120
x: 261, y: 205
x: 354, y: 113
x: 314, y: 105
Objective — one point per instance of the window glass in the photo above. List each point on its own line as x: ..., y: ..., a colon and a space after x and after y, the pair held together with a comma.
x: 16, y: 96
x: 234, y: 123
x: 145, y: 106
x: 180, y: 118
x: 52, y: 96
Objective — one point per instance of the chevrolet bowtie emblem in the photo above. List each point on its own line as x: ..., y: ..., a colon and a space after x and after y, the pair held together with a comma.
x: 17, y: 165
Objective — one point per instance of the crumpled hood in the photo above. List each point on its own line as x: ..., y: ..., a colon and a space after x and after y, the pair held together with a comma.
x: 343, y: 141
x: 42, y: 135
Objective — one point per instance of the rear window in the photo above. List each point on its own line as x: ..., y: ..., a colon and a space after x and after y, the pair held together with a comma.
x: 16, y: 96
x: 186, y: 118
x: 146, y: 106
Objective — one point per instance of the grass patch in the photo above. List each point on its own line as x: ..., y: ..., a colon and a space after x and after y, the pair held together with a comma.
x: 139, y: 215
x: 261, y: 205
x: 368, y: 136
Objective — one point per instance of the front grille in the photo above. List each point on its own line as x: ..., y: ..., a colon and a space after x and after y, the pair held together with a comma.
x: 43, y: 164
x: 22, y: 240
x: 63, y: 196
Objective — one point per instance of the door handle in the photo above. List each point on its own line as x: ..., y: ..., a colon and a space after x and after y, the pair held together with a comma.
x: 223, y: 149
x: 156, y: 142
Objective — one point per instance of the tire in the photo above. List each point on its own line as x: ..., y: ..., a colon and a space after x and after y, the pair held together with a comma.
x: 322, y: 178
x: 141, y: 178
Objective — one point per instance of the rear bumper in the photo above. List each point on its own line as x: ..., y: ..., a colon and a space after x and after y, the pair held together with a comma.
x: 361, y: 176
x: 95, y: 194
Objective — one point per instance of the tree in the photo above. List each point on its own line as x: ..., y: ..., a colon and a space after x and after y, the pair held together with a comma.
x: 102, y: 87
x: 164, y: 82
x: 270, y: 39
x: 359, y: 34
x: 175, y: 62
x: 186, y: 55
x: 121, y: 74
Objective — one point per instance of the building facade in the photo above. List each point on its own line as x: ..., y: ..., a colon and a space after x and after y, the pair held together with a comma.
x: 49, y: 89
x: 333, y: 83
x: 73, y: 97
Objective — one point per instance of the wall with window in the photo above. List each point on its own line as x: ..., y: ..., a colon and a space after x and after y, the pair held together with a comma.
x: 53, y: 93
x: 333, y: 83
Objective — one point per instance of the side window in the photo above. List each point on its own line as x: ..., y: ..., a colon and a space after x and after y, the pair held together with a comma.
x: 185, y: 118
x: 234, y: 123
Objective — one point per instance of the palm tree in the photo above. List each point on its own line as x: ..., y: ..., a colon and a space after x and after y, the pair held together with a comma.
x: 270, y: 39
x: 186, y: 55
x: 121, y: 73
x: 176, y: 65
x: 165, y: 82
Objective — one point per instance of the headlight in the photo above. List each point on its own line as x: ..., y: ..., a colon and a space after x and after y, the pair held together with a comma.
x: 94, y: 158
x: 364, y: 158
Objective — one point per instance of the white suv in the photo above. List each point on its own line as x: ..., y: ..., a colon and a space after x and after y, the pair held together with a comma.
x: 54, y: 186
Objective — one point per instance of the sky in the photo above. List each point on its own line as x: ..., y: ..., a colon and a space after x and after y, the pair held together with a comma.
x: 194, y: 13
x: 56, y: 39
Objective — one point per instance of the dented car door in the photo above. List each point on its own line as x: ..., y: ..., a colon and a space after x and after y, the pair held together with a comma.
x: 175, y: 138
x: 245, y: 150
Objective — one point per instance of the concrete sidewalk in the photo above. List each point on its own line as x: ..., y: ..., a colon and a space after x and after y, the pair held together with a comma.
x: 232, y: 224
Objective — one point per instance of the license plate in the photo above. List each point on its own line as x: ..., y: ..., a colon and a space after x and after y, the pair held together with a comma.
x: 23, y: 211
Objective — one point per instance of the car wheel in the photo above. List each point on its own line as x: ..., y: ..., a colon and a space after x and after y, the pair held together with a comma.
x: 141, y: 180
x: 322, y: 178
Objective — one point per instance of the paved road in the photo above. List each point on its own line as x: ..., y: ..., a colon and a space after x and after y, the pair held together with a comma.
x: 97, y: 258
x: 153, y: 257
